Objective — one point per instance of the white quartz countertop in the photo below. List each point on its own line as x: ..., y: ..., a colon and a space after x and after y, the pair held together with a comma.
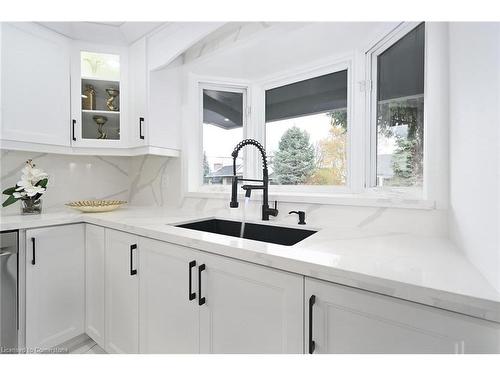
x: 427, y: 270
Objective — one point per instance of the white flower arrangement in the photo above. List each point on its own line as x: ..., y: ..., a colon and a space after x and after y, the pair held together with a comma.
x: 32, y: 185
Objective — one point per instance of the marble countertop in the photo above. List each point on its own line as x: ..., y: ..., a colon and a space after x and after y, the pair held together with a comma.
x: 427, y: 270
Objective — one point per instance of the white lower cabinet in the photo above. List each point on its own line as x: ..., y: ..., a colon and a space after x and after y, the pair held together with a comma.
x: 94, y: 283
x: 341, y: 319
x: 121, y: 293
x: 136, y: 295
x: 192, y: 302
x: 248, y: 308
x: 55, y: 310
x: 169, y: 321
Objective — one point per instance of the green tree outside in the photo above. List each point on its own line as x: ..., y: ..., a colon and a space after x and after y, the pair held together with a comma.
x: 294, y: 162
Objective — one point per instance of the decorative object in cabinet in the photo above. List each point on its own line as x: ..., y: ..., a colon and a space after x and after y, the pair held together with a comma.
x: 88, y: 97
x: 110, y: 102
x: 100, y: 76
x: 100, y: 121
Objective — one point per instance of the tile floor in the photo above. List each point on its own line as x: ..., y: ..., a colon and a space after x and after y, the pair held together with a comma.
x: 82, y: 345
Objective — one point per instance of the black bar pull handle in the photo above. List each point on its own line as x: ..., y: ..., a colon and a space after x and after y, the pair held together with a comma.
x: 141, y: 122
x: 201, y: 300
x: 33, y: 259
x: 132, y: 270
x: 192, y: 295
x: 312, y: 344
x: 73, y: 123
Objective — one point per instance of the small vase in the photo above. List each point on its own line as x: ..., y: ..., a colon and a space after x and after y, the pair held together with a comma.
x: 31, y: 206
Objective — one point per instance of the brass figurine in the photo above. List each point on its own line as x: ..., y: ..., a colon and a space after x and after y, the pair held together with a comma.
x: 88, y: 98
x: 100, y: 121
x: 113, y: 93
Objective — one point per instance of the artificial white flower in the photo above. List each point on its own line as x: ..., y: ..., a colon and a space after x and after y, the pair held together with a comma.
x: 33, y: 174
x: 19, y: 195
x: 27, y: 186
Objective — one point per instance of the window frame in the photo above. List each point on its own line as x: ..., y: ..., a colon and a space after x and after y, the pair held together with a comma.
x: 229, y: 86
x: 362, y: 129
x: 305, y: 73
x: 371, y: 107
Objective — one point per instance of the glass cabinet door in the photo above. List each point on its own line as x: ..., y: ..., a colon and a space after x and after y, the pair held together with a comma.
x: 100, y: 96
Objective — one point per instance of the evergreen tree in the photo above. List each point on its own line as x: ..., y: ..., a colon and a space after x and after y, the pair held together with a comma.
x: 294, y: 161
x: 206, y: 168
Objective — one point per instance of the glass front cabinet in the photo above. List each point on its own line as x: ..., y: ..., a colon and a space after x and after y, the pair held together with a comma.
x: 98, y: 97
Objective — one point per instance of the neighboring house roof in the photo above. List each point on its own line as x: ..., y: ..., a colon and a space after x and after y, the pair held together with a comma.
x: 226, y: 171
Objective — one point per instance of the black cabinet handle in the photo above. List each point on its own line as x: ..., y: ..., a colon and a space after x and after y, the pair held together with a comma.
x: 141, y: 121
x: 73, y: 123
x: 192, y: 295
x: 132, y: 248
x: 312, y: 344
x: 33, y: 262
x: 201, y: 300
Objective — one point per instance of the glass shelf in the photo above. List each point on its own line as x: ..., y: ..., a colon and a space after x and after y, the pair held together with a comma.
x: 100, y: 90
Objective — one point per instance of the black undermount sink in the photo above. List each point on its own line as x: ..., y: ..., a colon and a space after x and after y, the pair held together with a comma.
x: 265, y: 233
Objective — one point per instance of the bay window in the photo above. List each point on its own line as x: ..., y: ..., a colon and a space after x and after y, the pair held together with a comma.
x: 354, y: 124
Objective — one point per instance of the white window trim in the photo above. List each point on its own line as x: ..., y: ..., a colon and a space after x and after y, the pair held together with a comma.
x: 357, y: 191
x: 307, y: 72
x: 209, y: 83
x: 371, y: 108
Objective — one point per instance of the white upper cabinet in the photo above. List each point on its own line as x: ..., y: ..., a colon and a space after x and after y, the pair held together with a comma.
x: 138, y: 94
x: 69, y: 96
x: 35, y: 89
x: 99, y: 95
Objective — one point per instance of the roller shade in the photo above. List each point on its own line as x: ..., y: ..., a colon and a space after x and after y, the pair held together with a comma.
x: 401, y: 67
x: 308, y: 97
x: 223, y: 108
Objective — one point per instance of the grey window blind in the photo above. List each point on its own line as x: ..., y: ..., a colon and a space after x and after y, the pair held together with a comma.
x: 401, y: 67
x: 223, y: 108
x: 311, y: 96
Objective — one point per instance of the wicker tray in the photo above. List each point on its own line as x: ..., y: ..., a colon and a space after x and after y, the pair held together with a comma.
x: 96, y: 205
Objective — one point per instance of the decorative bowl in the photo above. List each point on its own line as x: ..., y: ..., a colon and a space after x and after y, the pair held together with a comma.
x: 96, y: 205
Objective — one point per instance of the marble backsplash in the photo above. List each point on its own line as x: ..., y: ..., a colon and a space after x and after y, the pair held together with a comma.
x: 140, y: 180
x: 156, y: 181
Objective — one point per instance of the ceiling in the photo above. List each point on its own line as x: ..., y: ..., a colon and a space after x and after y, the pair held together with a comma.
x: 285, y: 46
x: 114, y: 33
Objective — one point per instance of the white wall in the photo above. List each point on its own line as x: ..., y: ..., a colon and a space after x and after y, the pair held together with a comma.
x: 474, y: 144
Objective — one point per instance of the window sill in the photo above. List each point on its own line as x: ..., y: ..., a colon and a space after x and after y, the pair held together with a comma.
x: 370, y: 198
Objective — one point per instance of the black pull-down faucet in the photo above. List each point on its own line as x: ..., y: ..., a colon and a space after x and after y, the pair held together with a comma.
x: 266, y: 211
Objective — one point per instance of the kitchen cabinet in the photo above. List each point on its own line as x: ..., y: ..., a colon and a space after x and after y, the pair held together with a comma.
x: 55, y: 96
x: 247, y: 308
x: 169, y: 312
x: 35, y: 76
x: 193, y: 302
x: 138, y: 98
x: 99, y: 95
x: 94, y: 283
x: 121, y: 292
x: 55, y: 298
x: 342, y: 319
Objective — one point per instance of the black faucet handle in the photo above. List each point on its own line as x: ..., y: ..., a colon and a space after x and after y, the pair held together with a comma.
x: 302, y: 216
